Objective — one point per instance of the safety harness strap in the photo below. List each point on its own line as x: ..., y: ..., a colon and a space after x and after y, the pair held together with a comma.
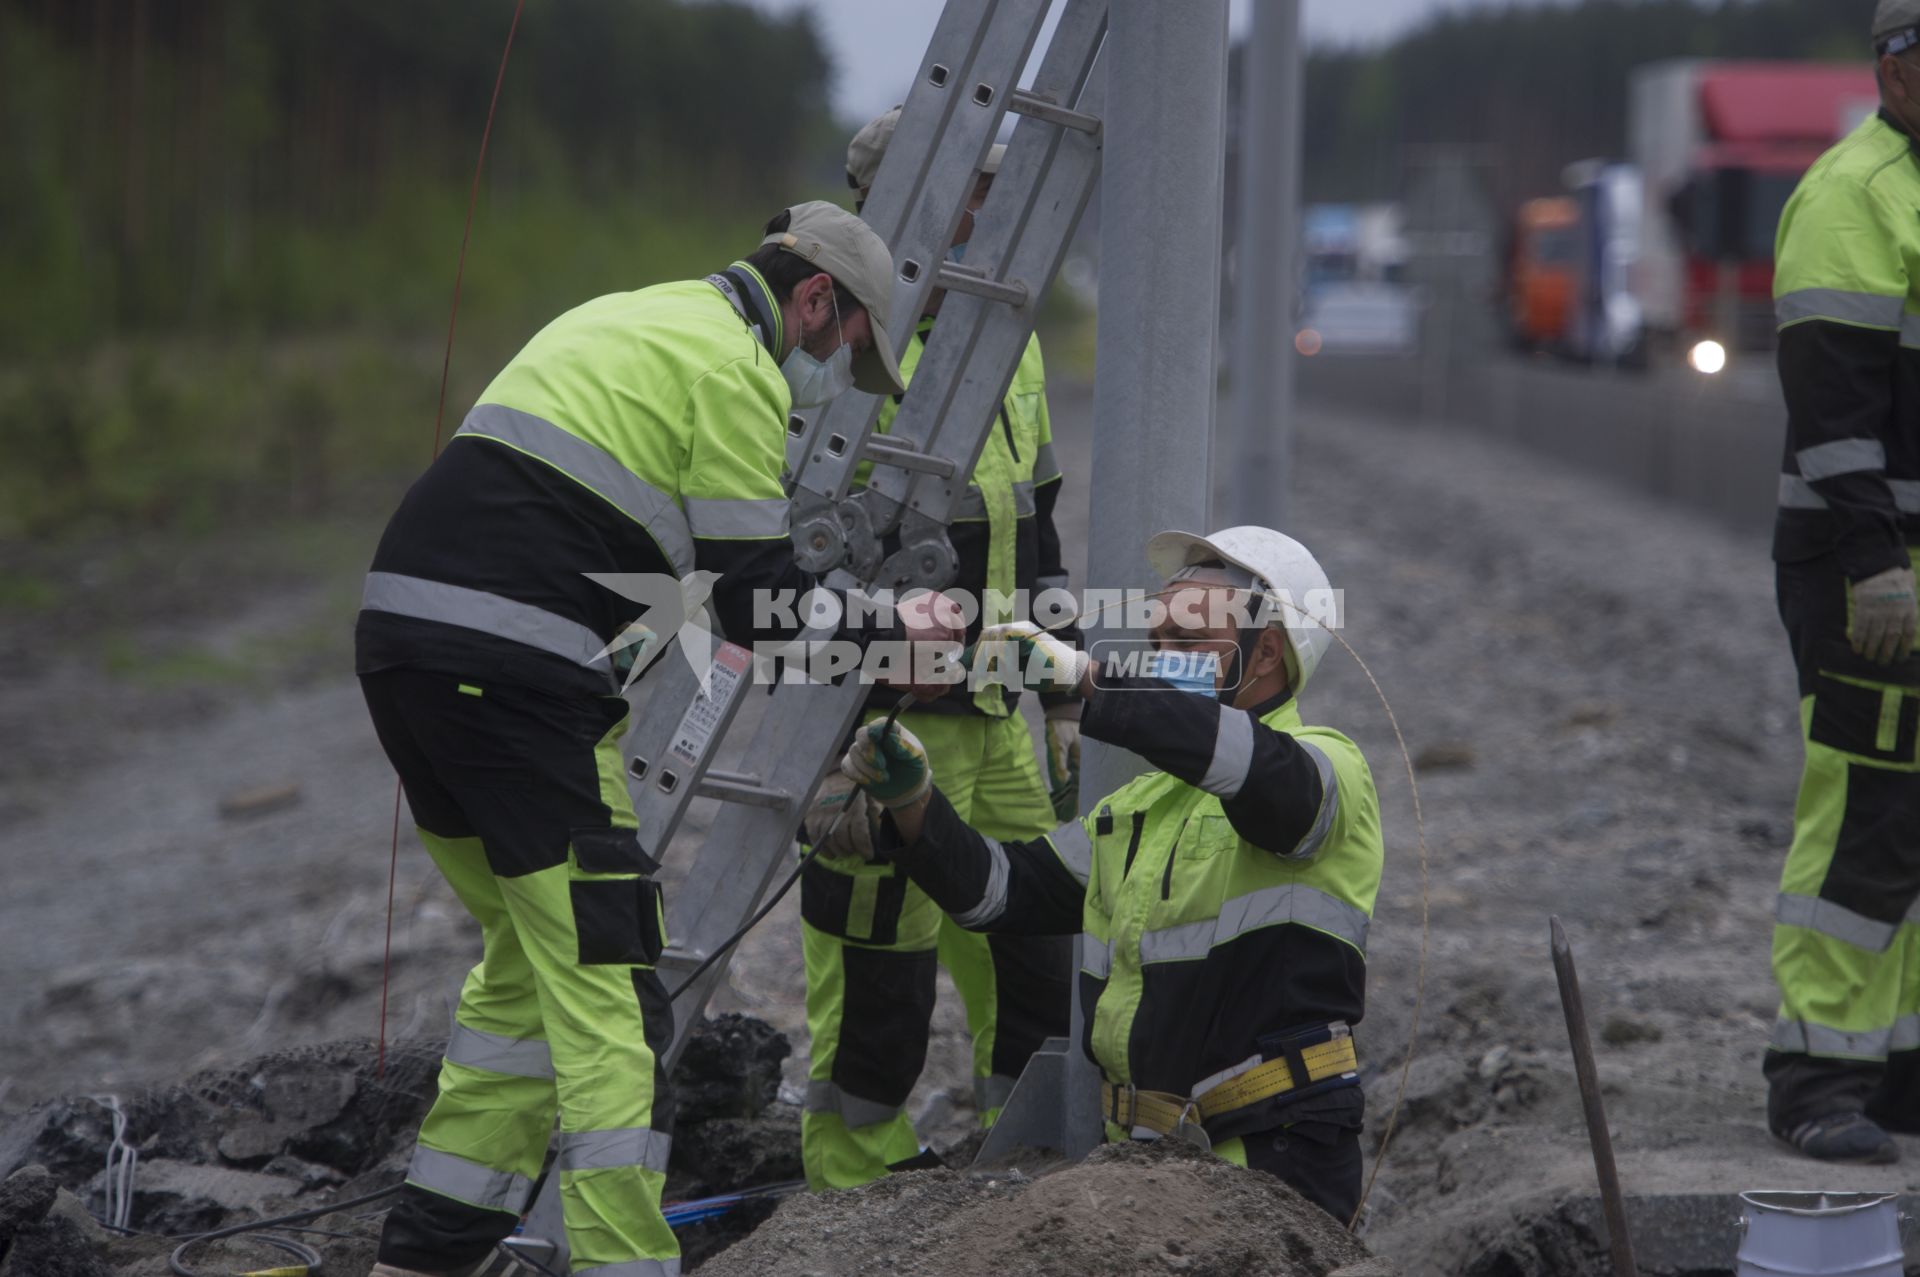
x: 1331, y: 1060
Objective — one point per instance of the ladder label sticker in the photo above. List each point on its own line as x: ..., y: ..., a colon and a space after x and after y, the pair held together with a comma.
x: 702, y: 718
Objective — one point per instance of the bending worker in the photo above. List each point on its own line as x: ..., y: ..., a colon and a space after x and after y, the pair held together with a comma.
x: 640, y: 433
x: 1224, y: 896
x: 870, y: 936
x: 1843, y: 1066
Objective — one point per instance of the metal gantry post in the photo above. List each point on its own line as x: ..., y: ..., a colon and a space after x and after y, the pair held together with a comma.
x: 1259, y: 449
x: 1153, y: 398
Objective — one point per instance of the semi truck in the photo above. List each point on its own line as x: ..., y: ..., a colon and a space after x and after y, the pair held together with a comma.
x: 1719, y: 147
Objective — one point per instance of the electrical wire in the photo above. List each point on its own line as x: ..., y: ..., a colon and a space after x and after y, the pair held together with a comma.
x: 122, y: 1159
x: 309, y: 1257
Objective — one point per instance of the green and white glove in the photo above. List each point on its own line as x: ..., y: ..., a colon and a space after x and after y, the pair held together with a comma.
x: 890, y: 764
x: 1063, y: 761
x: 1028, y: 657
x: 844, y: 821
x: 1884, y: 616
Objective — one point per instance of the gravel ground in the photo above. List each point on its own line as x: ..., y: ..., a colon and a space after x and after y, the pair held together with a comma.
x: 1594, y: 689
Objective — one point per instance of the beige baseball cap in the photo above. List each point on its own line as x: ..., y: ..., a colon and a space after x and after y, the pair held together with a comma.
x: 869, y: 147
x: 1894, y: 18
x: 846, y: 248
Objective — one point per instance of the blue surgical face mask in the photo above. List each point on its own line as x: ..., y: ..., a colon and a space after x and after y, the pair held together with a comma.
x: 1186, y: 670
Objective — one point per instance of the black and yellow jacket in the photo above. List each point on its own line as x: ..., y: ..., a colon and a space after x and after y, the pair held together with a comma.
x: 1224, y: 898
x: 1847, y: 299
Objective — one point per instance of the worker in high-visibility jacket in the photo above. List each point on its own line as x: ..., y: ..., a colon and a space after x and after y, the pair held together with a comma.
x: 870, y: 936
x: 1843, y: 1065
x: 1224, y: 896
x: 641, y: 434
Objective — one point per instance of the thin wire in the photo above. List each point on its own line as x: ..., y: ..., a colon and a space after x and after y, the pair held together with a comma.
x: 386, y: 957
x: 439, y: 418
x: 812, y: 854
x: 309, y: 1258
x: 1420, y: 826
x: 122, y: 1159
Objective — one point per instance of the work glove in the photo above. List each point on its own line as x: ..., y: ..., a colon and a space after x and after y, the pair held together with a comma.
x: 843, y: 823
x: 1884, y: 616
x: 1035, y: 659
x: 890, y: 763
x: 1063, y: 761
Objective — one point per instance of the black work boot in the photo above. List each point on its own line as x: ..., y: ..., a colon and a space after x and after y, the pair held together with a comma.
x: 1844, y: 1137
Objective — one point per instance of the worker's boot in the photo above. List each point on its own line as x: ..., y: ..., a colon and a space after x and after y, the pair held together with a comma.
x: 1844, y: 1137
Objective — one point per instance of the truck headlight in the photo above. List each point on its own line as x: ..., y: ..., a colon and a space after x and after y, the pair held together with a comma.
x: 1707, y: 357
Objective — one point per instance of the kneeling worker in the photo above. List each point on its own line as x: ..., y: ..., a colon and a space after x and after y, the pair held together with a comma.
x: 1224, y: 896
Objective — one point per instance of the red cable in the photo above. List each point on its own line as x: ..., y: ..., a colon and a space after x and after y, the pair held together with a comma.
x: 439, y: 416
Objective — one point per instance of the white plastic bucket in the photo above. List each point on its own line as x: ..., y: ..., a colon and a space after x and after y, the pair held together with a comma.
x: 1787, y: 1234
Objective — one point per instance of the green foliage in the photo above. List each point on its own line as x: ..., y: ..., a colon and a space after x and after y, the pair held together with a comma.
x: 233, y: 166
x: 194, y: 431
x: 1538, y: 85
x: 236, y: 225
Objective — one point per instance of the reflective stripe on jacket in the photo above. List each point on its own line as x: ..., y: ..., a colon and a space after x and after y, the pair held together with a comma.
x: 1847, y: 299
x: 641, y: 432
x: 1224, y: 898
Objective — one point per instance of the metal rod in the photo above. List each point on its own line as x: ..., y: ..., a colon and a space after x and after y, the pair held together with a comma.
x: 1618, y: 1239
x: 1156, y: 348
x: 1259, y: 456
x: 731, y: 790
x: 964, y: 279
x: 1025, y: 103
x: 887, y: 452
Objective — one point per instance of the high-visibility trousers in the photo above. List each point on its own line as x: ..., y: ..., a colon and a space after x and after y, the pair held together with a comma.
x: 522, y: 803
x: 871, y: 940
x: 1846, y: 950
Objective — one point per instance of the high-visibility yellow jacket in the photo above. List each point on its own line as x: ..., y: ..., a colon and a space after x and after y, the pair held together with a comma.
x: 1224, y: 898
x: 1003, y: 531
x: 1847, y: 299
x: 642, y: 432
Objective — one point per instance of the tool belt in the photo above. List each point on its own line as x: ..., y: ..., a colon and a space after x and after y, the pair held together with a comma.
x: 1314, y: 1060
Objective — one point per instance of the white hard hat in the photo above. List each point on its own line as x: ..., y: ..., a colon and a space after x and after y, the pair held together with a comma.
x: 1303, y: 600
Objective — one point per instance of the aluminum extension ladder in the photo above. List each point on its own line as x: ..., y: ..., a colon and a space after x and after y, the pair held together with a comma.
x: 966, y: 84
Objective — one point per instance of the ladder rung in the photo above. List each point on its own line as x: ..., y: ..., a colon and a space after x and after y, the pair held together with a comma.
x: 899, y: 453
x: 1040, y: 108
x: 962, y: 279
x: 734, y: 787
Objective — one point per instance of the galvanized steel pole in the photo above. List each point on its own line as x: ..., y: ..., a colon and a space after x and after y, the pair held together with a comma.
x: 1153, y: 391
x: 1157, y: 360
x: 1259, y: 448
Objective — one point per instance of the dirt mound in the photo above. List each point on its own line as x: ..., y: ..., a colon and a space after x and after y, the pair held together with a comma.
x: 1128, y: 1209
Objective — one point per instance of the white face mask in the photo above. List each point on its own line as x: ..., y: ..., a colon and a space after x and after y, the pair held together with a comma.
x: 813, y: 381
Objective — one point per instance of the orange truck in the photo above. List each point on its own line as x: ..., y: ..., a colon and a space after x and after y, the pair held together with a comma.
x: 1542, y: 277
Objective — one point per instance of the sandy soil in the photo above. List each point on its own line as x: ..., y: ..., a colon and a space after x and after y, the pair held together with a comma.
x: 1595, y: 686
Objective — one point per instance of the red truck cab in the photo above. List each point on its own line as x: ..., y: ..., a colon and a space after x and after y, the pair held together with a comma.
x: 1720, y: 147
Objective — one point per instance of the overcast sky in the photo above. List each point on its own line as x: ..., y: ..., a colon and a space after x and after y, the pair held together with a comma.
x: 877, y: 44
